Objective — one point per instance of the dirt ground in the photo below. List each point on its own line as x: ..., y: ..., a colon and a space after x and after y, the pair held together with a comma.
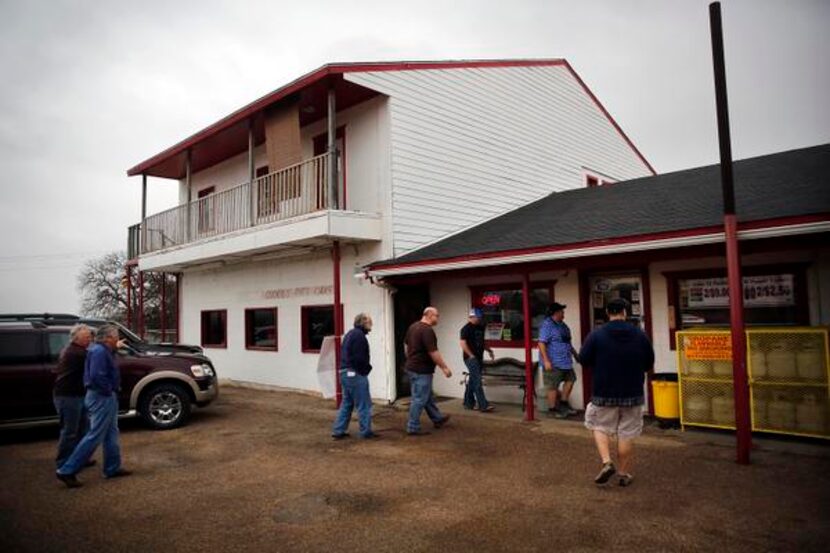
x: 258, y: 471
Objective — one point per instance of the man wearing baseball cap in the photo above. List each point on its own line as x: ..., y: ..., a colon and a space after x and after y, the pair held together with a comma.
x: 473, y: 348
x: 556, y: 355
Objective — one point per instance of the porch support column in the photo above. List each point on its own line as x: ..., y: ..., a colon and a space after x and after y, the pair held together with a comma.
x: 252, y: 192
x: 187, y: 183
x: 178, y: 307
x: 141, y: 303
x: 143, y: 233
x: 163, y: 312
x: 129, y: 276
x: 529, y: 387
x: 332, y: 151
x: 338, y: 320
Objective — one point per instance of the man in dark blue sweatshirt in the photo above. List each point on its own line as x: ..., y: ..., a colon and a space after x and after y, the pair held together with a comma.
x: 619, y: 354
x: 354, y: 377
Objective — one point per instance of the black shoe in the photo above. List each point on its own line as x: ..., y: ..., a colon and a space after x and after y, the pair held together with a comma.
x: 417, y: 433
x: 606, y: 473
x: 69, y: 480
x: 370, y: 436
x: 340, y: 436
x: 560, y: 414
x: 469, y: 407
x: 441, y: 422
x: 90, y: 463
x: 488, y: 409
x: 120, y: 473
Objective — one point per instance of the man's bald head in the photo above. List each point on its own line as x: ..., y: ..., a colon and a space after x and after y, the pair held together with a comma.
x: 430, y: 316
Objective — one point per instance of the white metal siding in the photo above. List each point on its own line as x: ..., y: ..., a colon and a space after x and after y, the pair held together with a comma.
x: 470, y: 144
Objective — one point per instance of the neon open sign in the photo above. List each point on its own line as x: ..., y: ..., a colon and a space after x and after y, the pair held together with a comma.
x: 491, y: 300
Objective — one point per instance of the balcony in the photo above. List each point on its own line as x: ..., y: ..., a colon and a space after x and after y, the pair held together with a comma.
x: 285, y: 208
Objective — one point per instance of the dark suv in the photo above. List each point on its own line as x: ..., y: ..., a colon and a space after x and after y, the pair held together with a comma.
x: 160, y: 386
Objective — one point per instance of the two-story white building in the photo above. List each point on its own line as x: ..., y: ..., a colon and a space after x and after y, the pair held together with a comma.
x: 285, y: 201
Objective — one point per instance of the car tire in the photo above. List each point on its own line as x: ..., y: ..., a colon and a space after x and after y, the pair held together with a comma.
x: 164, y: 406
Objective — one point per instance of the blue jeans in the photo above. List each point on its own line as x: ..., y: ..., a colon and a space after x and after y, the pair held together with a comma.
x: 474, y: 392
x: 422, y: 398
x: 103, y: 427
x: 355, y: 396
x: 74, y: 424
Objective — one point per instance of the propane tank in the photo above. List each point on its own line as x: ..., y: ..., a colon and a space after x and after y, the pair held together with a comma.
x: 697, y: 408
x: 700, y: 368
x: 810, y: 363
x: 781, y: 362
x: 811, y: 416
x: 723, y: 410
x: 722, y: 368
x: 781, y: 413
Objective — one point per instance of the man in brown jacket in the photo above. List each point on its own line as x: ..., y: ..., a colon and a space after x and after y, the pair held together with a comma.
x: 69, y: 391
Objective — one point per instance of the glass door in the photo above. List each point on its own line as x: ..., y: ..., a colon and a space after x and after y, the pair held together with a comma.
x: 604, y: 288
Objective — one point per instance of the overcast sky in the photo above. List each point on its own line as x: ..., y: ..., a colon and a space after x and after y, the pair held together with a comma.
x: 90, y: 88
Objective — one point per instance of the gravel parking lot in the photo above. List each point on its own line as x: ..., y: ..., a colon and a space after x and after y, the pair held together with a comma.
x: 257, y: 471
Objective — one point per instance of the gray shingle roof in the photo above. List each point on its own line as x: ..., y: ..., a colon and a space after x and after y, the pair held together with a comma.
x: 786, y: 184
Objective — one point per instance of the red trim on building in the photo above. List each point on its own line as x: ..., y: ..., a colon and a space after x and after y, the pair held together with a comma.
x: 633, y: 239
x: 610, y: 119
x: 338, y: 69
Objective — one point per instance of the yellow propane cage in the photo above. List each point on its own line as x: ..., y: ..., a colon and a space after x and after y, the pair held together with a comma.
x: 789, y: 380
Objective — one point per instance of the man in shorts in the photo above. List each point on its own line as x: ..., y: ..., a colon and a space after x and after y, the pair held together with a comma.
x: 619, y: 355
x: 556, y: 356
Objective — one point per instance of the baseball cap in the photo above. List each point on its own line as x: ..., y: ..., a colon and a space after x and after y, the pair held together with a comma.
x: 617, y: 305
x: 554, y: 307
x: 475, y: 312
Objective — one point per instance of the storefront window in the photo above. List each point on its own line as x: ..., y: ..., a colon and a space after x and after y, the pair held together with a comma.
x: 317, y: 323
x: 501, y: 307
x: 606, y: 288
x: 215, y: 329
x: 768, y: 300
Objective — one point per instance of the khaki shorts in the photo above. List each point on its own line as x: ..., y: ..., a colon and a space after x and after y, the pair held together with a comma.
x: 625, y: 422
x: 554, y: 377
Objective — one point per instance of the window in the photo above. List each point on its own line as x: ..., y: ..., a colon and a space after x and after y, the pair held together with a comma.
x: 215, y: 328
x: 317, y: 323
x: 261, y: 329
x: 592, y: 178
x: 773, y: 296
x: 503, y: 316
x: 57, y: 341
x: 591, y: 181
x: 20, y: 348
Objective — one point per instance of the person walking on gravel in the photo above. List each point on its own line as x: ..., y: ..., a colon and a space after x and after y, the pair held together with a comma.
x: 619, y: 355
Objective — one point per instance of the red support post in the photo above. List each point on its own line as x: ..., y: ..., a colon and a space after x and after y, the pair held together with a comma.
x: 163, y: 313
x: 338, y: 320
x: 178, y: 307
x: 129, y: 297
x: 141, y: 303
x: 529, y: 387
x: 743, y: 422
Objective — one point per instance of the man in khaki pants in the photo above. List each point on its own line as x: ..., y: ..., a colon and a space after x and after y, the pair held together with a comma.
x: 619, y: 355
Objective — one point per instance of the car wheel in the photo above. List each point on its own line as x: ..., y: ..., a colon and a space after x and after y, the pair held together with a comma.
x: 165, y: 406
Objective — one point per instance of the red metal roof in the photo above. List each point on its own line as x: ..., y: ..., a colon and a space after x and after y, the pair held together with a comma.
x: 228, y: 136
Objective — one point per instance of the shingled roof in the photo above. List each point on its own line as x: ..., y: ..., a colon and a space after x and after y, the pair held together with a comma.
x: 784, y: 185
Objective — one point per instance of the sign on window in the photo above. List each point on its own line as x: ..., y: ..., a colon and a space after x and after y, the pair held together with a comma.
x: 759, y: 291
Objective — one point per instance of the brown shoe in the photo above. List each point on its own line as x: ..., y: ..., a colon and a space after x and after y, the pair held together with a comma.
x: 439, y: 423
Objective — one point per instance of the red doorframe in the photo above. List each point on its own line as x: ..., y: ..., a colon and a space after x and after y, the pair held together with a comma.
x: 585, y: 319
x: 163, y: 313
x: 141, y: 303
x: 178, y: 307
x: 530, y: 389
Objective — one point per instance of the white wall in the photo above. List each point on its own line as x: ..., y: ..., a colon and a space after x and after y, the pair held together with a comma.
x: 241, y: 286
x: 469, y: 144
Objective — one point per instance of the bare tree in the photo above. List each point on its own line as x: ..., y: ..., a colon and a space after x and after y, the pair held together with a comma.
x: 102, y: 284
x: 103, y: 294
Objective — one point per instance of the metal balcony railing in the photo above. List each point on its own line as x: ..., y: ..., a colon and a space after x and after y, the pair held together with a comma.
x: 290, y: 192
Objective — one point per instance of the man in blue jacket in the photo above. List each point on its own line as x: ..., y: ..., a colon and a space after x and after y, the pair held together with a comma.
x: 619, y: 354
x: 102, y: 380
x: 354, y: 377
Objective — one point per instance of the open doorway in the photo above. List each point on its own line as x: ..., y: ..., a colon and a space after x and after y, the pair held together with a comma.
x: 409, y: 304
